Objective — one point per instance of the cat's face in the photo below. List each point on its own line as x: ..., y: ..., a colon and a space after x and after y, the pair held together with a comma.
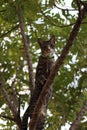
x: 47, y: 47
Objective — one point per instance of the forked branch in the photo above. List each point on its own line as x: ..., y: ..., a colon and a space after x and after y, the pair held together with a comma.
x: 56, y: 68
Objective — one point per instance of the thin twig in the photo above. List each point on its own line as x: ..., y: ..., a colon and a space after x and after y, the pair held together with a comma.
x: 65, y: 9
x: 52, y: 22
x: 9, y: 31
x: 7, y: 117
x: 59, y: 26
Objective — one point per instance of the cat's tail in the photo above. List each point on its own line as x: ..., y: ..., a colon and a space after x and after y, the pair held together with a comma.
x: 26, y: 115
x: 28, y: 112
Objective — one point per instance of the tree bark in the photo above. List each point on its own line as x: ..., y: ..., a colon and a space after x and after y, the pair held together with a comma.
x: 55, y: 69
x: 26, y: 47
x: 11, y: 105
x: 79, y: 117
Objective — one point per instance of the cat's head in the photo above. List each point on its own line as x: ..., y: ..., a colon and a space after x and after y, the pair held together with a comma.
x: 47, y: 47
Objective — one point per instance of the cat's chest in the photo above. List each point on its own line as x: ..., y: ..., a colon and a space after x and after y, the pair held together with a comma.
x: 45, y: 65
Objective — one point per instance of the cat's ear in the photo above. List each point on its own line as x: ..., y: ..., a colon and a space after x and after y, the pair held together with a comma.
x: 52, y: 40
x: 40, y: 41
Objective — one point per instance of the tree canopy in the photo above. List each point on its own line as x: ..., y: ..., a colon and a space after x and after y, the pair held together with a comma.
x: 41, y: 19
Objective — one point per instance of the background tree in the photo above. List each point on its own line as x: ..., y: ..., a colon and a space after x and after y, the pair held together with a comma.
x: 16, y: 73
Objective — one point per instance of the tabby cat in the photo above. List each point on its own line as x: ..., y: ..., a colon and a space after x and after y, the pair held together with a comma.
x: 45, y: 64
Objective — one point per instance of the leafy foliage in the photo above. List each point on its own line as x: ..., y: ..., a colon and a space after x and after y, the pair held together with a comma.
x: 42, y: 20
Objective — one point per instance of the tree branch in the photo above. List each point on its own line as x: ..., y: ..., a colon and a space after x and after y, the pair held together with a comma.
x: 59, y: 26
x: 7, y: 98
x: 19, y: 103
x: 65, y: 9
x: 14, y: 93
x: 27, y: 51
x: 54, y: 71
x: 54, y: 24
x: 9, y: 31
x: 2, y: 10
x: 10, y: 103
x: 7, y: 117
x: 79, y: 117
